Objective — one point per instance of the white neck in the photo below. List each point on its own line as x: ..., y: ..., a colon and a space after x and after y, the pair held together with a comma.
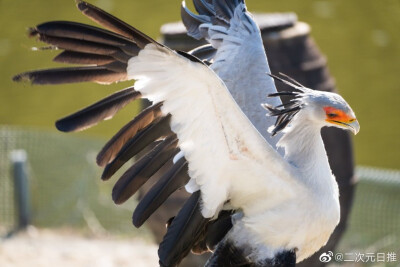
x: 305, y: 151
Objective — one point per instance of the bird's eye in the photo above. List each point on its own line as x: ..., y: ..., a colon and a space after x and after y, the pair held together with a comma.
x: 331, y: 115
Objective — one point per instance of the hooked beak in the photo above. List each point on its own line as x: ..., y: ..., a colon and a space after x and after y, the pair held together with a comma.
x: 353, y: 126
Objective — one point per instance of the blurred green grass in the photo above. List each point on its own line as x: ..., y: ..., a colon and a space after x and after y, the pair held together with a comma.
x: 359, y: 38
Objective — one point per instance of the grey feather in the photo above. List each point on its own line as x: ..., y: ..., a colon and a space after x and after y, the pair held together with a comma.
x: 193, y: 21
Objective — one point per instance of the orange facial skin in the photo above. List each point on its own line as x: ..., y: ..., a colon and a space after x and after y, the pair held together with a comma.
x: 337, y: 116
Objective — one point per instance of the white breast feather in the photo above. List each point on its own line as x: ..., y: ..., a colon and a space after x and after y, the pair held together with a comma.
x: 228, y: 158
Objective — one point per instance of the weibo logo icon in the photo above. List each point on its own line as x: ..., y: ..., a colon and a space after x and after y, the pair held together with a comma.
x: 326, y: 256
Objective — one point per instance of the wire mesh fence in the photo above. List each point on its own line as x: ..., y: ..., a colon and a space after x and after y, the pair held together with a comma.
x: 66, y: 192
x: 374, y: 224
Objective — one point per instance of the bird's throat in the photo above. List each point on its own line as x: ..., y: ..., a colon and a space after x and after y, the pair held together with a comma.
x: 305, y: 151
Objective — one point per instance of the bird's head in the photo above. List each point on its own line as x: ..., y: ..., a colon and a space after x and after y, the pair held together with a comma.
x: 320, y: 108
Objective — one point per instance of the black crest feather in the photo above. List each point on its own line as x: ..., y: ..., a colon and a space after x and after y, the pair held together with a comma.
x: 285, y: 112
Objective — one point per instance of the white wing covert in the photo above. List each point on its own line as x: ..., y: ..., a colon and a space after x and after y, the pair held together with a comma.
x: 194, y: 132
x: 224, y: 151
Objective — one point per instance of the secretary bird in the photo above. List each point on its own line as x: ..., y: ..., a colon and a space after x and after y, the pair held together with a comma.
x: 249, y: 205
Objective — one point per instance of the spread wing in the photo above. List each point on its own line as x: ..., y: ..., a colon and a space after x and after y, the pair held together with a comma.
x: 193, y: 133
x: 216, y: 138
x: 227, y: 159
x: 239, y: 57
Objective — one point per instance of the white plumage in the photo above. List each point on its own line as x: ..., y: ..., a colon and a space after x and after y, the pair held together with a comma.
x: 283, y: 203
x: 286, y: 204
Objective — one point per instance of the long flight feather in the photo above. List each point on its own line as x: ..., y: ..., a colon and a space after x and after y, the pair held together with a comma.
x: 101, y: 110
x: 175, y: 178
x: 143, y: 169
x: 97, y: 74
x: 112, y: 23
x: 80, y: 31
x: 159, y: 129
x: 183, y: 231
x: 72, y: 57
x: 85, y: 47
x: 112, y: 147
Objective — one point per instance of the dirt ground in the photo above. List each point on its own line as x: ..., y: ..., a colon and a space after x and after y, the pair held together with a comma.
x: 61, y: 248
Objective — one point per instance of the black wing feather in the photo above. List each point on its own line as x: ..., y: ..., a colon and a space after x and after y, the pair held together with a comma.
x: 86, y: 47
x: 152, y: 132
x: 175, y: 178
x: 110, y: 22
x: 143, y: 169
x: 97, y: 74
x: 65, y: 30
x: 205, y: 52
x: 101, y: 110
x: 79, y: 31
x: 218, y: 229
x: 113, y: 146
x: 182, y: 233
x: 72, y: 57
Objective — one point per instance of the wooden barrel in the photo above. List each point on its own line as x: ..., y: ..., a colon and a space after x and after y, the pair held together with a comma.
x: 292, y: 51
